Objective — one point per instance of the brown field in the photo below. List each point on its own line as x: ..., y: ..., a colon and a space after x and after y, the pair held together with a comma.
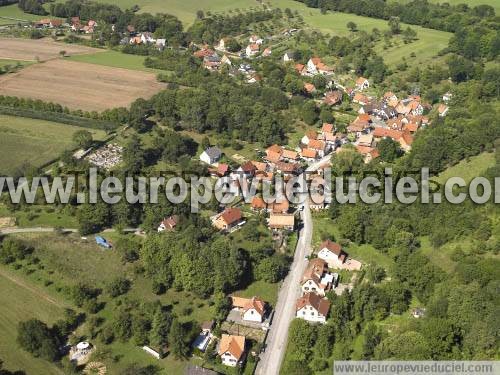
x: 41, y: 49
x: 79, y: 85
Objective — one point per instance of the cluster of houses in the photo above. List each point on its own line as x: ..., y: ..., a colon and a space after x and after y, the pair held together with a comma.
x: 76, y: 25
x: 144, y: 38
x: 317, y: 280
x: 314, y: 66
x: 232, y: 348
x: 277, y: 160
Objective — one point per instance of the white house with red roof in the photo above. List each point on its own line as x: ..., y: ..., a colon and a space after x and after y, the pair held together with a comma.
x: 332, y: 253
x: 362, y: 83
x: 312, y: 308
x: 231, y: 350
x: 251, y: 309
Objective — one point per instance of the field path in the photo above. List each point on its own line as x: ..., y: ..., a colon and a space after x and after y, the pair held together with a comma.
x: 36, y: 291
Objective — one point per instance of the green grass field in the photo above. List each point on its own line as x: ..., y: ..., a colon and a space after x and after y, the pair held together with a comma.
x: 115, y: 59
x: 24, y: 140
x: 11, y: 14
x: 471, y: 3
x: 19, y: 301
x: 468, y: 169
x: 429, y: 42
x: 68, y: 260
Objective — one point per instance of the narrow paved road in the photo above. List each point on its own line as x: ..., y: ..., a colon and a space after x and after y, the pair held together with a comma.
x: 285, y: 308
x: 284, y: 312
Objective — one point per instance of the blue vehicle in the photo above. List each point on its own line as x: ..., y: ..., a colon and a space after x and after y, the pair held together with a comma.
x: 102, y: 242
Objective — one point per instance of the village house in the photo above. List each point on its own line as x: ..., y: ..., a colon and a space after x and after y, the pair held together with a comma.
x: 288, y: 56
x: 316, y: 66
x: 267, y: 52
x: 247, y: 169
x: 226, y: 61
x: 288, y: 169
x: 301, y: 69
x: 290, y: 155
x: 332, y: 253
x: 410, y: 105
x: 333, y: 97
x: 252, y: 49
x: 168, y: 224
x: 318, y: 146
x: 369, y: 153
x: 308, y: 154
x: 231, y: 350
x: 204, y: 52
x: 258, y: 204
x: 310, y: 135
x: 254, y: 39
x: 48, y: 23
x: 365, y: 140
x: 361, y: 99
x: 251, y: 309
x: 404, y: 138
x: 281, y: 221
x: 228, y: 219
x: 317, y: 278
x: 447, y: 97
x: 221, y: 170
x: 147, y: 37
x: 160, y: 43
x: 362, y: 83
x: 443, y: 110
x: 390, y: 99
x: 327, y: 128
x: 223, y: 43
x: 274, y: 153
x: 212, y: 62
x: 279, y: 206
x: 211, y: 155
x: 309, y: 88
x: 312, y: 308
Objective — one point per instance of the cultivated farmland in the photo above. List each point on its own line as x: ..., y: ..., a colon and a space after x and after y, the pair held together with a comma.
x: 80, y: 86
x: 36, y: 142
x: 41, y: 49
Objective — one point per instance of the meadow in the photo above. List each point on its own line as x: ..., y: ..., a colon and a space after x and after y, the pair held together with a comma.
x: 36, y: 142
x: 21, y: 300
x: 115, y: 59
x: 471, y: 3
x: 67, y: 259
x: 429, y: 42
x: 11, y: 14
x: 468, y: 168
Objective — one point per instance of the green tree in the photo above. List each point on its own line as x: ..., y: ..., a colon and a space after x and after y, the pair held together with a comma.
x: 389, y: 149
x: 352, y: 26
x: 36, y: 338
x: 83, y: 139
x: 177, y: 340
x: 394, y: 25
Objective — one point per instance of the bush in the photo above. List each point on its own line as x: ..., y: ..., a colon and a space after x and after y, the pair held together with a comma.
x: 118, y: 286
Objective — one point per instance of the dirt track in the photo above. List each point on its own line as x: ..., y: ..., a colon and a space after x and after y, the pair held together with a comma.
x: 79, y: 85
x: 43, y: 49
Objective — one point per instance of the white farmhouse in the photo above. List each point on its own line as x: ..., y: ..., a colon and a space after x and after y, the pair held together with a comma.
x: 211, y: 155
x: 231, y: 349
x: 312, y: 308
x: 332, y: 253
x: 252, y: 309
